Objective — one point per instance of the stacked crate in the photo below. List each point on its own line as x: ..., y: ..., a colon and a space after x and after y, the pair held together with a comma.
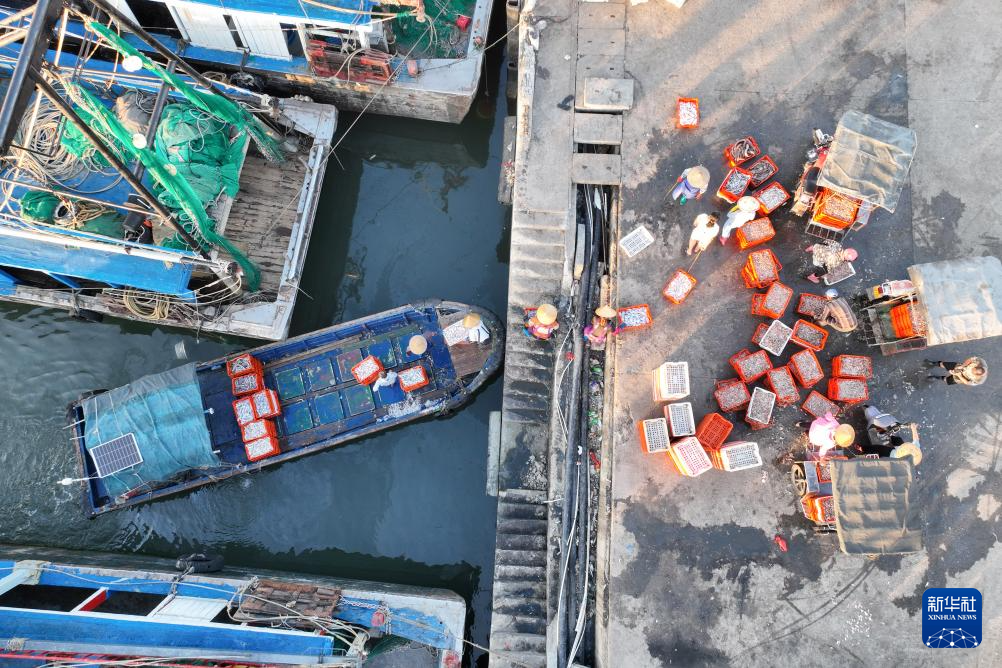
x: 772, y: 303
x: 671, y: 381
x: 654, y: 435
x: 736, y: 456
x: 755, y: 233
x: 849, y: 376
x: 781, y: 382
x: 254, y: 407
x: 689, y: 457
x: 760, y: 269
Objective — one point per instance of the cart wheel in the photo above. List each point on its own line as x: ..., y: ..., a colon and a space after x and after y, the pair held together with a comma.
x: 799, y: 479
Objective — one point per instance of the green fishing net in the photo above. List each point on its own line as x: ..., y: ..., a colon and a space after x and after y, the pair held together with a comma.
x: 39, y: 207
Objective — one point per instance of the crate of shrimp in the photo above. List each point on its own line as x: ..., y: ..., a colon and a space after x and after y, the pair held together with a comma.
x: 759, y: 411
x: 774, y: 301
x: 243, y: 364
x: 762, y: 170
x: 775, y: 338
x: 780, y: 381
x: 634, y: 317
x: 678, y: 286
x: 806, y: 368
x: 817, y: 405
x: 811, y: 305
x: 755, y: 233
x: 752, y: 366
x: 852, y: 366
x: 731, y: 395
x: 367, y: 371
x: 771, y: 197
x: 809, y: 335
x: 741, y: 151
x: 848, y: 390
x: 734, y: 185
x: 687, y: 112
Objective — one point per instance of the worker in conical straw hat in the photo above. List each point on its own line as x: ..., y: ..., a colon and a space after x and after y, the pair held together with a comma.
x: 541, y: 321
x: 691, y: 184
x: 744, y: 210
x: 599, y: 330
x: 826, y: 433
x: 475, y: 330
x: 417, y: 345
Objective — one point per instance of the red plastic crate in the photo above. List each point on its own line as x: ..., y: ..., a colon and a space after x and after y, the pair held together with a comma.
x: 266, y: 404
x: 852, y: 366
x: 755, y: 233
x: 782, y: 384
x: 774, y: 302
x: 243, y: 409
x: 762, y: 170
x: 734, y: 185
x: 733, y: 160
x: 367, y: 371
x: 678, y: 286
x: 634, y: 317
x: 806, y: 368
x: 848, y: 390
x: 753, y: 366
x: 687, y: 112
x: 243, y: 364
x: 817, y: 404
x: 413, y: 378
x: 257, y: 429
x: 762, y: 327
x: 835, y: 209
x: 761, y: 268
x: 756, y: 304
x: 811, y: 305
x: 731, y: 395
x: 262, y: 448
x: 771, y: 197
x: 713, y: 430
x: 808, y: 335
x: 247, y: 383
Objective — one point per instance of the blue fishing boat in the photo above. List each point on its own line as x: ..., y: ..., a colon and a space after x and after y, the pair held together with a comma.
x: 79, y: 608
x: 135, y: 188
x: 203, y: 423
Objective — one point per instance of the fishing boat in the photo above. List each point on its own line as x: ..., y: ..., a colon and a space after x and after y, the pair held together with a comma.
x: 402, y: 58
x: 88, y: 608
x: 203, y: 423
x: 134, y: 187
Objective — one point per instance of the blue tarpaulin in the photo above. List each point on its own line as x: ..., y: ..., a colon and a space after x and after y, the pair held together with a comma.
x: 164, y: 412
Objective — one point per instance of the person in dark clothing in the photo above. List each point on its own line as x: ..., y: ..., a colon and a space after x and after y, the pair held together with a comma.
x: 972, y: 371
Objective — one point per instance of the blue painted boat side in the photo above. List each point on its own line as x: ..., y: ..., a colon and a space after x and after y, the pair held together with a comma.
x: 404, y: 622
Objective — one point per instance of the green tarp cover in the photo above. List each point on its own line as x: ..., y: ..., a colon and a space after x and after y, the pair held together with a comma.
x: 164, y: 411
x: 872, y: 503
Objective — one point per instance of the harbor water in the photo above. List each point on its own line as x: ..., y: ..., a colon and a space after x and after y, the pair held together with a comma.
x: 408, y: 212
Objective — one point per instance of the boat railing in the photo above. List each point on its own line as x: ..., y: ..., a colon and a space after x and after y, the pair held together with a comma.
x: 361, y: 65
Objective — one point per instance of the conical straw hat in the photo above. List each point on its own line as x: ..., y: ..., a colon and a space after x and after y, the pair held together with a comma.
x: 546, y: 314
x: 698, y: 176
x: 417, y: 345
x: 606, y: 311
x: 908, y: 450
x: 845, y: 434
x: 748, y: 203
x: 471, y: 320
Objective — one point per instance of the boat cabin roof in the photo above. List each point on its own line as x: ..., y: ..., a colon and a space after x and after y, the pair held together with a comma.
x: 349, y: 12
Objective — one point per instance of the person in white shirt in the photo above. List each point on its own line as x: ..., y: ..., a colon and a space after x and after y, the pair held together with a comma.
x: 386, y: 379
x: 476, y: 332
x: 704, y: 231
x: 740, y: 213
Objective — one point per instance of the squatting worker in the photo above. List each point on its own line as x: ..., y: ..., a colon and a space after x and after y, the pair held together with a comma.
x: 704, y: 231
x: 827, y: 256
x: 837, y: 313
x: 827, y: 433
x: 599, y: 330
x: 740, y: 213
x: 541, y: 322
x: 386, y: 379
x: 417, y: 345
x: 691, y: 185
x: 972, y: 371
x: 476, y: 332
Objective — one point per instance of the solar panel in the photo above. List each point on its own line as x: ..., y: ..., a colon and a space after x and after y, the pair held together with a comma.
x: 116, y: 455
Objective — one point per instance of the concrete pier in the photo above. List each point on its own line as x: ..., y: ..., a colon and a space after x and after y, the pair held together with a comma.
x: 688, y: 571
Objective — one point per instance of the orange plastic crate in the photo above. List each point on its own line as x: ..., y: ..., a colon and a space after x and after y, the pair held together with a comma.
x: 246, y: 384
x: 761, y: 268
x: 762, y: 327
x: 817, y: 404
x: 412, y: 378
x: 678, y: 286
x: 713, y: 430
x: 731, y: 395
x: 257, y: 429
x: 819, y: 508
x: 637, y: 316
x: 243, y: 409
x: 852, y: 366
x: 733, y: 160
x: 367, y: 371
x: 753, y: 366
x: 809, y: 335
x: 848, y: 390
x: 806, y: 368
x: 774, y: 301
x: 734, y: 185
x: 762, y: 170
x: 902, y: 322
x: 243, y: 364
x: 266, y: 404
x: 755, y: 233
x: 835, y: 209
x: 262, y: 448
x: 689, y: 457
x: 811, y: 305
x: 771, y: 197
x: 687, y: 112
x: 782, y: 384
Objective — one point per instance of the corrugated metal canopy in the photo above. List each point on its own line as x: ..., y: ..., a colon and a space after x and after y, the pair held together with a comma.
x: 961, y: 300
x: 869, y: 159
x: 317, y: 10
x: 872, y: 504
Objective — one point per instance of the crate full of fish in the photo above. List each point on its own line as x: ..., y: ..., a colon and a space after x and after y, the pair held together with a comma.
x: 741, y: 151
x: 762, y: 170
x: 734, y: 185
x: 761, y: 268
x: 266, y: 404
x: 755, y: 233
x: 775, y: 338
x: 257, y: 429
x: 806, y: 368
x: 817, y: 405
x: 852, y: 366
x: 678, y: 286
x: 774, y: 301
x: 848, y: 390
x: 687, y: 112
x: 243, y: 364
x: 247, y: 383
x: 811, y: 305
x: 759, y: 412
x: 637, y: 316
x: 781, y: 382
x: 367, y: 371
x: 752, y: 366
x: 731, y: 395
x: 262, y: 448
x: 809, y: 335
x: 413, y: 378
x: 771, y: 197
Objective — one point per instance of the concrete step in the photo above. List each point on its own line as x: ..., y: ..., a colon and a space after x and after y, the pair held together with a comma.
x: 517, y: 401
x: 520, y: 557
x: 508, y: 623
x: 520, y: 607
x: 516, y: 495
x: 530, y: 387
x: 531, y: 292
x: 523, y: 589
x: 519, y: 660
x: 535, y: 416
x: 537, y: 373
x: 516, y: 541
x: 530, y: 235
x: 534, y: 525
x: 538, y: 270
x: 519, y: 642
x: 518, y: 572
